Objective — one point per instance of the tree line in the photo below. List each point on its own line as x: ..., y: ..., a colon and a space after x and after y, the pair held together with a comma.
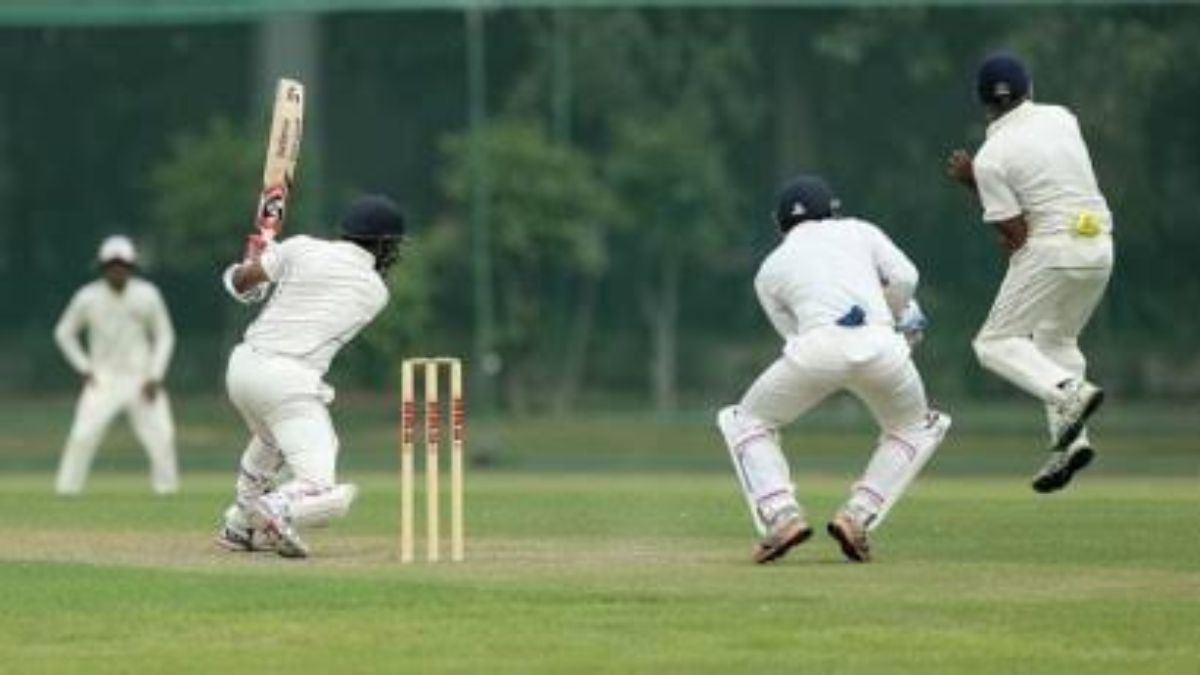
x: 632, y: 160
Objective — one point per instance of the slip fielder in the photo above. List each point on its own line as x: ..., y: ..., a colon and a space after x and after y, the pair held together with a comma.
x: 129, y: 345
x: 1033, y: 176
x: 322, y: 293
x: 840, y: 294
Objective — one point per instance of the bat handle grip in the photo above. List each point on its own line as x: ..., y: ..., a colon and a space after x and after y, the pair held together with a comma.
x: 256, y: 243
x: 272, y: 207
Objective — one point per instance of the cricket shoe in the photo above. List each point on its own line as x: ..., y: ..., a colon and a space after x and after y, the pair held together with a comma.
x: 275, y: 524
x: 1081, y: 399
x: 851, y: 536
x: 1057, y: 472
x: 788, y: 530
x: 244, y: 540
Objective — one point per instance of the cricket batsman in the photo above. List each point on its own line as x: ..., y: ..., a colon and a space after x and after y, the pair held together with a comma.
x: 322, y: 293
x: 840, y: 294
x: 129, y: 345
x: 1033, y: 176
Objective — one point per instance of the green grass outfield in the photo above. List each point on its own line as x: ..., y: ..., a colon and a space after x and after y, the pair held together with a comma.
x: 615, y: 544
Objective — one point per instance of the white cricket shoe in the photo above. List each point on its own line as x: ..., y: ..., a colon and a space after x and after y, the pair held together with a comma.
x: 1080, y: 400
x: 788, y: 529
x: 276, y: 524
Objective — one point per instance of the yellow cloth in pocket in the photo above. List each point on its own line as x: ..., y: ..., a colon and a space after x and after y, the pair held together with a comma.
x: 1087, y: 224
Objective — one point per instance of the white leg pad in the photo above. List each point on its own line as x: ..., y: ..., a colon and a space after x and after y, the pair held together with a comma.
x: 315, y: 507
x: 898, y: 458
x: 759, y: 463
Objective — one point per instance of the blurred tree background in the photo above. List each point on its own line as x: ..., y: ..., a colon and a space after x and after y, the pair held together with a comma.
x: 631, y: 160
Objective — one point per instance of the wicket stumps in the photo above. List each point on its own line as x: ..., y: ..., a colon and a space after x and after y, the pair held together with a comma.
x: 430, y: 367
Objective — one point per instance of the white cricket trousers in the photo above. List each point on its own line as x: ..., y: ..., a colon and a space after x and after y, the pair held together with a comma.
x: 100, y: 402
x: 871, y: 362
x: 283, y: 402
x: 1049, y: 293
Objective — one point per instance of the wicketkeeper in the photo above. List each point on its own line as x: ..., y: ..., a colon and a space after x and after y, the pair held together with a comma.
x: 1034, y: 178
x: 840, y: 294
x: 322, y: 293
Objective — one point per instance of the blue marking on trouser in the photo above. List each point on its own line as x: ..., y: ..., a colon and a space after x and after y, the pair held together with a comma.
x: 854, y: 318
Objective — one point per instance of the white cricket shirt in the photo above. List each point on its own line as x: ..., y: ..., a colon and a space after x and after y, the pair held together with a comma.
x: 325, y: 293
x: 1035, y: 162
x: 129, y: 334
x: 823, y: 269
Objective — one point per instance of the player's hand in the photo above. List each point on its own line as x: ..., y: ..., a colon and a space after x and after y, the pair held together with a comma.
x: 150, y: 390
x: 959, y: 167
x: 1013, y: 234
x: 256, y: 244
x: 88, y: 380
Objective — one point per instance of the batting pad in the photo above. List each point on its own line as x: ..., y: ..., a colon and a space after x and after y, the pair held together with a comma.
x: 315, y: 508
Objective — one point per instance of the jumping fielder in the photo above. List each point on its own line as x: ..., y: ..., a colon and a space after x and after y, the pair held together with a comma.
x: 1034, y: 178
x: 129, y: 345
x: 840, y: 294
x: 324, y: 293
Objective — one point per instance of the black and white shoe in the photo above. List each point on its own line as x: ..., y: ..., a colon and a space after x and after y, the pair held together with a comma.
x: 244, y: 540
x: 1081, y: 399
x: 235, y: 539
x: 1057, y: 472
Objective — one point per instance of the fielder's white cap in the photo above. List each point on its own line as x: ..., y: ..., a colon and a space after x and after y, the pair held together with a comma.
x: 117, y: 248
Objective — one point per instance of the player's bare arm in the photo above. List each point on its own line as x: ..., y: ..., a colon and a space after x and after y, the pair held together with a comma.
x: 249, y: 275
x: 249, y: 280
x: 1012, y: 233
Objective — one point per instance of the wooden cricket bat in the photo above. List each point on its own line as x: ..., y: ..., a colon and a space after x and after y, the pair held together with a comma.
x: 283, y: 149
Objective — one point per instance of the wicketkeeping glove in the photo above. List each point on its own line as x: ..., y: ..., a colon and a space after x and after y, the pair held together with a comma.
x: 912, y: 323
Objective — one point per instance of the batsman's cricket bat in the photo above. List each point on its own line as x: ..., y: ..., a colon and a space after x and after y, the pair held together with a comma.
x: 283, y: 149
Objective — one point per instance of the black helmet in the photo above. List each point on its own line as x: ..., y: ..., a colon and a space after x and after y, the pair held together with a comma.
x: 806, y: 197
x: 1002, y: 79
x: 373, y: 217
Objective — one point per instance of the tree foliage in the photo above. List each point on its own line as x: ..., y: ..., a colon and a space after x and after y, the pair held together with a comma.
x: 633, y: 161
x: 548, y: 209
x: 203, y: 194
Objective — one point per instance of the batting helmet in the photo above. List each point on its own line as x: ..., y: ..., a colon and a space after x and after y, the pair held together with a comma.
x: 373, y: 217
x: 806, y: 197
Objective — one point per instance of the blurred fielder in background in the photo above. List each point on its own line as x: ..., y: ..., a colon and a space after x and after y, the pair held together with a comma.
x: 129, y: 345
x: 1034, y: 178
x: 840, y: 293
x: 325, y: 292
